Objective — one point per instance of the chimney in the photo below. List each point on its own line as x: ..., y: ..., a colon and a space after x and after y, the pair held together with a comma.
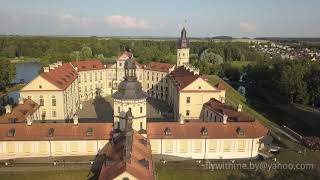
x: 29, y: 121
x: 239, y: 107
x: 21, y: 100
x: 59, y: 63
x: 51, y: 66
x: 45, y: 69
x: 225, y: 118
x: 75, y: 120
x: 76, y: 68
x: 8, y: 108
x: 181, y: 119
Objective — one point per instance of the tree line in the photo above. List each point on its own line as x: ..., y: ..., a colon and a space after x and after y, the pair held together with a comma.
x: 286, y: 81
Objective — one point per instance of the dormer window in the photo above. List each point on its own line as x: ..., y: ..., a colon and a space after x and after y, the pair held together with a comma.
x: 204, y: 131
x: 50, y: 132
x: 11, y: 132
x: 40, y: 87
x: 167, y: 131
x: 89, y: 132
x: 240, y: 131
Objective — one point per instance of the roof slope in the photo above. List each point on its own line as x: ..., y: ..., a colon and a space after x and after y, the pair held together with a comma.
x: 138, y: 163
x: 62, y: 131
x: 216, y: 130
x: 88, y: 65
x: 224, y: 109
x: 61, y: 76
x: 157, y: 66
x: 20, y: 113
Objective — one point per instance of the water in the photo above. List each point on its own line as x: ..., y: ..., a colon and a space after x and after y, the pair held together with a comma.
x: 25, y: 72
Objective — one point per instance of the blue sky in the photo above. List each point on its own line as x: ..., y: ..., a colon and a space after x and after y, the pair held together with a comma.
x: 238, y: 18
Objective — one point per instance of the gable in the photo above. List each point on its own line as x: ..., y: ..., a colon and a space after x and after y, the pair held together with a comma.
x: 200, y: 82
x: 38, y: 82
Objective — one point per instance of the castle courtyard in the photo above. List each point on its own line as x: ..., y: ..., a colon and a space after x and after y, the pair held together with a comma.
x: 100, y: 109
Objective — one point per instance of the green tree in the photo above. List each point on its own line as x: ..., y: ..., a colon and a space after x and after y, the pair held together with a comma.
x: 7, y: 72
x: 86, y: 53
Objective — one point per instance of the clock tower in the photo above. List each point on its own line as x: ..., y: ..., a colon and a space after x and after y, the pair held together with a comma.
x: 183, y: 49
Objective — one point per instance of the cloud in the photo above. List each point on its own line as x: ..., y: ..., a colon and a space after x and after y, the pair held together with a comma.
x: 127, y: 22
x: 247, y: 27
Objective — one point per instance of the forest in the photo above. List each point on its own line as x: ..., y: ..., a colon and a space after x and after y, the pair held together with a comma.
x: 290, y: 81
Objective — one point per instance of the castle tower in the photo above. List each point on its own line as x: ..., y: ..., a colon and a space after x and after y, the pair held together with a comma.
x: 130, y: 98
x: 183, y: 49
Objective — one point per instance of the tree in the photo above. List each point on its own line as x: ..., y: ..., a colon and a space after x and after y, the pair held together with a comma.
x: 7, y: 72
x: 291, y: 81
x: 211, y: 57
x: 75, y: 55
x: 313, y: 81
x: 86, y: 53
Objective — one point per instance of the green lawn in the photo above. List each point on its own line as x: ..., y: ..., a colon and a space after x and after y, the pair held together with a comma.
x: 44, y: 175
x: 239, y: 64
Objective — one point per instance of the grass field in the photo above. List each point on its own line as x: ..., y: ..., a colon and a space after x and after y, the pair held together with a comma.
x: 45, y: 175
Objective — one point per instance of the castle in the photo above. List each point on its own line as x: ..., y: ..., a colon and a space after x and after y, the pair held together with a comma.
x: 205, y: 127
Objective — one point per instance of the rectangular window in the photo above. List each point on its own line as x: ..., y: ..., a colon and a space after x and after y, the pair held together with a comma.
x: 241, y: 145
x: 43, y: 148
x: 41, y: 102
x: 100, y: 75
x: 79, y: 89
x: 11, y: 149
x: 197, y: 146
x: 154, y: 147
x: 212, y: 145
x: 188, y: 100
x: 110, y: 84
x: 183, y: 148
x: 119, y: 110
x: 187, y: 112
x: 54, y: 113
x: 141, y: 109
x: 26, y: 148
x: 54, y: 102
x: 74, y: 147
x: 58, y: 148
x: 227, y: 146
x: 90, y: 147
x: 168, y: 146
x: 148, y: 86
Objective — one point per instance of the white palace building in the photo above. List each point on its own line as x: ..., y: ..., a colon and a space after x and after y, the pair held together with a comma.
x: 205, y: 127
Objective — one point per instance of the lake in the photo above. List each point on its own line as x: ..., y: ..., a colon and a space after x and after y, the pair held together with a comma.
x: 25, y: 72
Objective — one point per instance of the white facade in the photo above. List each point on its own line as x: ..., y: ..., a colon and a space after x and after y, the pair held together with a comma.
x: 206, y: 148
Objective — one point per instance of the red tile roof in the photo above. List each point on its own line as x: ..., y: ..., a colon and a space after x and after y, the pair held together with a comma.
x: 216, y: 130
x: 157, y: 66
x: 88, y: 65
x: 118, y: 162
x: 62, y: 131
x: 182, y: 77
x: 61, y: 76
x: 232, y: 113
x: 20, y: 113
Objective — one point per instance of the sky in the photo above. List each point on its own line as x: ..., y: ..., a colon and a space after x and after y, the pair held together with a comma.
x: 165, y: 18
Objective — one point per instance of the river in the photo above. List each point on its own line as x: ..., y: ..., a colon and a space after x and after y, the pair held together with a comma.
x: 25, y: 72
